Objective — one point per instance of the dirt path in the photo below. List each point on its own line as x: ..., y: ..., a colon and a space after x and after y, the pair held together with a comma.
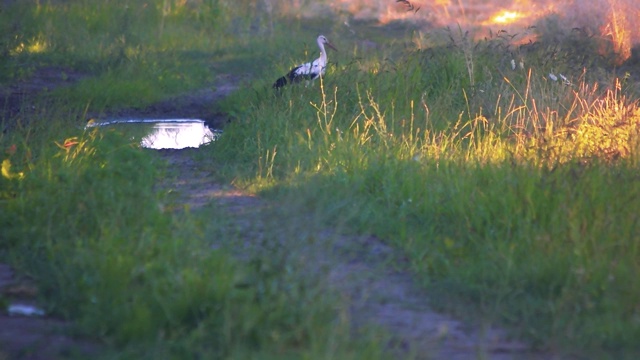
x: 359, y: 271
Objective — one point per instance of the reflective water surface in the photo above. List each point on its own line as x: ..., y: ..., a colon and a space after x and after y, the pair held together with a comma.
x: 164, y: 133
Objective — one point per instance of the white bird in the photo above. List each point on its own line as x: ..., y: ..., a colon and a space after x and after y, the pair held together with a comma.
x: 310, y: 70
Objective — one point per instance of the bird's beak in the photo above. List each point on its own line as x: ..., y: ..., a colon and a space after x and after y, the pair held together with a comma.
x: 331, y: 45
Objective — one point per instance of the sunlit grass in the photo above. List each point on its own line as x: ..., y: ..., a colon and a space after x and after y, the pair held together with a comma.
x: 511, y: 193
x: 33, y: 46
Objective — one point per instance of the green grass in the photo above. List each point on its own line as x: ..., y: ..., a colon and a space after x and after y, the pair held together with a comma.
x: 513, y: 196
x: 126, y: 54
x: 83, y: 215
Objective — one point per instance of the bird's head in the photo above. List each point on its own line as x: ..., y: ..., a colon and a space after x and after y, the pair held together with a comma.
x: 323, y: 40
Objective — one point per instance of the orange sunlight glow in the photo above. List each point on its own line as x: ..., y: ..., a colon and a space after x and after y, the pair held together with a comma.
x: 618, y: 30
x: 505, y: 17
x: 611, y: 21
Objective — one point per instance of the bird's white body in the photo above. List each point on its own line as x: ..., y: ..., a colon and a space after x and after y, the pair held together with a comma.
x: 312, y: 70
x: 308, y: 71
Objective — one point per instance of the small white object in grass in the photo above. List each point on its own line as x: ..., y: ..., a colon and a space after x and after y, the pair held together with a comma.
x: 513, y: 64
x: 25, y: 310
x: 553, y: 77
x: 565, y: 80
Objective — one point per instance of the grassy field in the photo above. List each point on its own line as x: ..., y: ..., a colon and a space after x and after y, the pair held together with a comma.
x: 514, y: 196
x: 81, y: 213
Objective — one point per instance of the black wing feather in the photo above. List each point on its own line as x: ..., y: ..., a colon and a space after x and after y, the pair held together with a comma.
x: 293, y: 77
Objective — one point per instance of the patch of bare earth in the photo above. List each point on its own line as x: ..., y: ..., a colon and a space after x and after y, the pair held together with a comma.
x: 195, y: 105
x: 34, y: 337
x: 19, y: 99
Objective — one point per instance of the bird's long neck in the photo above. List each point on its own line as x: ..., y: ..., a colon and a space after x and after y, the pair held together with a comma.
x: 323, y: 53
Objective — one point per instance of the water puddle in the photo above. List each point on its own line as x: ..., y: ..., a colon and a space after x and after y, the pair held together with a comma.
x: 163, y: 133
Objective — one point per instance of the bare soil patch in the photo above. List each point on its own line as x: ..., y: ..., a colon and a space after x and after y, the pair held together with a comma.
x: 199, y: 104
x: 35, y: 337
x: 20, y: 97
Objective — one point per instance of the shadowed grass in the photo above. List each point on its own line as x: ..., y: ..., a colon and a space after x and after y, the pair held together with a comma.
x: 82, y: 217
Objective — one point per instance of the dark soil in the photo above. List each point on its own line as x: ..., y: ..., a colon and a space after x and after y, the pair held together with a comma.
x: 19, y: 99
x: 34, y: 337
x: 194, y: 105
